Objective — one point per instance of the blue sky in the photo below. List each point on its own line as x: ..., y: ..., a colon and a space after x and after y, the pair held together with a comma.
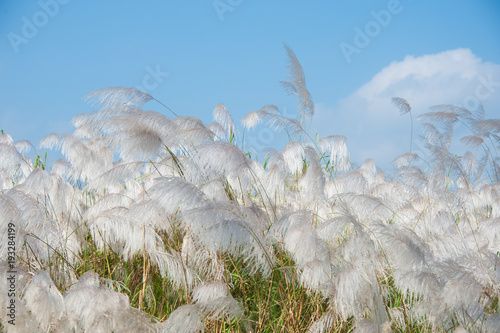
x: 193, y: 55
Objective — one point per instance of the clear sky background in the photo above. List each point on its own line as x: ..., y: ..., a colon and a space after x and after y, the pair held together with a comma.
x: 356, y: 55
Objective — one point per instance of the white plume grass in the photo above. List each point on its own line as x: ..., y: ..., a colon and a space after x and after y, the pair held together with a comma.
x: 202, y: 235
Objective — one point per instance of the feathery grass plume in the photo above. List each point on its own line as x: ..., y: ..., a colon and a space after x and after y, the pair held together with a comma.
x: 472, y: 141
x: 174, y: 166
x: 185, y: 319
x: 488, y: 126
x: 116, y: 97
x: 12, y: 163
x: 50, y: 141
x: 490, y: 233
x: 46, y: 241
x: 404, y: 108
x: 440, y: 116
x: 172, y: 266
x: 24, y: 321
x: 291, y: 126
x: 490, y: 193
x: 369, y: 171
x: 253, y: 118
x: 406, y: 255
x: 6, y: 139
x: 88, y: 159
x: 456, y: 110
x: 392, y: 194
x: 92, y: 125
x: 149, y: 212
x: 220, y: 132
x: 62, y: 168
x: 222, y: 116
x: 413, y: 178
x: 276, y: 179
x: 111, y: 224
x: 324, y: 323
x: 221, y: 307
x: 44, y: 301
x: 215, y: 301
x: 370, y: 325
x: 402, y: 104
x: 355, y: 290
x: 209, y: 291
x: 312, y: 183
x: 87, y: 126
x: 439, y: 142
x: 310, y: 253
x: 448, y: 118
x: 335, y: 230
x: 365, y: 208
x: 176, y: 194
x: 297, y: 86
x: 31, y: 216
x: 404, y: 160
x: 403, y: 246
x: 316, y: 274
x: 140, y: 134
x: 9, y: 211
x: 207, y: 264
x: 214, y: 190
x: 293, y: 155
x: 486, y: 129
x: 224, y: 227
x: 445, y: 168
x: 62, y: 205
x: 457, y: 243
x: 23, y: 146
x: 106, y: 203
x: 92, y: 307
x: 338, y: 154
x: 113, y: 180
x: 353, y: 182
x: 421, y: 249
x: 63, y: 198
x: 222, y: 160
x: 116, y: 228
x: 354, y: 287
x: 190, y: 133
x: 467, y: 197
x: 458, y: 295
x: 434, y: 136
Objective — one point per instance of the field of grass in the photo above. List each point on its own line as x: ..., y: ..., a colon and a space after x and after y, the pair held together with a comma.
x: 155, y: 223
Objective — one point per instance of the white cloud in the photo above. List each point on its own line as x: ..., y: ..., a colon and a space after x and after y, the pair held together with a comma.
x: 373, y: 125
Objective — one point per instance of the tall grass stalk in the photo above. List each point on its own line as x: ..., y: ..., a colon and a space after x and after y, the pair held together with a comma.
x: 158, y: 224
